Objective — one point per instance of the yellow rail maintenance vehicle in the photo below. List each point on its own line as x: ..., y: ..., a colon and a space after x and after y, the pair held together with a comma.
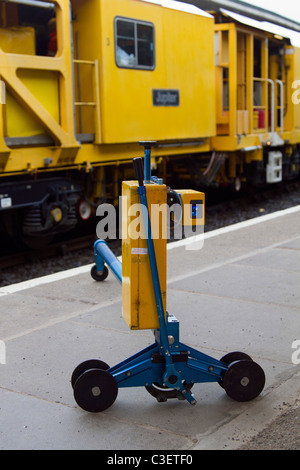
x: 69, y: 119
x: 82, y: 80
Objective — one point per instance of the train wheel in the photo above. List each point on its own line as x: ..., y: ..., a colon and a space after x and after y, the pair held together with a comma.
x: 99, y: 275
x: 86, y: 365
x: 244, y: 380
x: 95, y: 390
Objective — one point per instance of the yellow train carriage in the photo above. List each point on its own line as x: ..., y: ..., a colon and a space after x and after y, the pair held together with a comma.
x: 155, y: 70
x: 257, y: 121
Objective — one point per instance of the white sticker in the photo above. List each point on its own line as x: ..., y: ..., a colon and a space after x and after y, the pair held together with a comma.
x: 6, y: 202
x: 139, y: 251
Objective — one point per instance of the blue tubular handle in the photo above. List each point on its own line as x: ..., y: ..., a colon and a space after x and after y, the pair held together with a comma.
x: 104, y: 254
x: 147, y: 157
x: 138, y: 168
x: 147, y: 144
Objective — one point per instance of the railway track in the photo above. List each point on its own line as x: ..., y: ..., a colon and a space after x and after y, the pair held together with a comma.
x: 21, y: 265
x: 58, y: 249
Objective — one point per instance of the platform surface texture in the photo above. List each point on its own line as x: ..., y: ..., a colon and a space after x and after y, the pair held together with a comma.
x: 239, y: 292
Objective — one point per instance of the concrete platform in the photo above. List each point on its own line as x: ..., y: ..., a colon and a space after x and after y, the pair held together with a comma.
x: 241, y: 291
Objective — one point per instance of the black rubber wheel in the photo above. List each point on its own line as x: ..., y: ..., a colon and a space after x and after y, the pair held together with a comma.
x: 235, y: 356
x: 98, y: 275
x: 95, y: 390
x: 162, y: 393
x: 86, y: 365
x: 244, y: 380
x: 232, y: 357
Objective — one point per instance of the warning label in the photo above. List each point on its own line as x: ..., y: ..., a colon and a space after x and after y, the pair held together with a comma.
x: 139, y: 251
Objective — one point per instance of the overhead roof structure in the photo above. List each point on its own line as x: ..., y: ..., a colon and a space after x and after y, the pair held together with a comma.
x: 180, y: 5
x: 278, y: 31
x: 250, y: 11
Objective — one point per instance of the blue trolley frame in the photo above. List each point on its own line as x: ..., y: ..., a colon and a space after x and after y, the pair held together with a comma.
x: 174, y: 367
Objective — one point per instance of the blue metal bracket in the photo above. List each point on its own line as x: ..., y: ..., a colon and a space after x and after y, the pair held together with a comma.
x: 149, y: 365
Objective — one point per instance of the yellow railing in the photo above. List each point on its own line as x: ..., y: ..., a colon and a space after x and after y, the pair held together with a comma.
x: 265, y: 114
x: 96, y: 97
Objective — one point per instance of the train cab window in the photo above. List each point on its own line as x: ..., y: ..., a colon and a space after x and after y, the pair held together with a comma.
x: 134, y: 44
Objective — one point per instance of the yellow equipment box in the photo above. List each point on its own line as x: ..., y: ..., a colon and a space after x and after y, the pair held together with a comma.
x: 193, y: 207
x: 139, y: 306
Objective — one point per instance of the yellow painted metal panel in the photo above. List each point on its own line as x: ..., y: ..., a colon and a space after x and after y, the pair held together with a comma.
x: 43, y: 84
x: 18, y: 122
x: 139, y: 305
x: 297, y: 94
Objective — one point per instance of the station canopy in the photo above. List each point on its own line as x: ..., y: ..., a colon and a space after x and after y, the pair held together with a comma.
x: 180, y: 6
x: 293, y: 36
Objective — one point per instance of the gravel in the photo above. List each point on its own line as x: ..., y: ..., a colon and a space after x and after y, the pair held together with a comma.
x: 216, y: 216
x: 282, y: 434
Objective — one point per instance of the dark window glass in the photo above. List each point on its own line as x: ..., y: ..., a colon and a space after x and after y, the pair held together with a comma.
x: 134, y: 44
x: 125, y: 28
